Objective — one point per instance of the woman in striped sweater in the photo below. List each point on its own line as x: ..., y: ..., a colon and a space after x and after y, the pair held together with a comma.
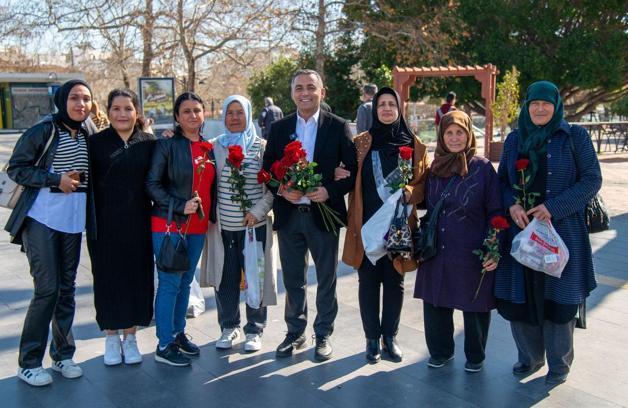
x: 562, y: 172
x: 223, y: 259
x: 51, y: 161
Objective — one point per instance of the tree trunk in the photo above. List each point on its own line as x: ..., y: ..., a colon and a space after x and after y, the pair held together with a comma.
x: 187, y: 52
x: 147, y: 38
x: 319, y: 53
x: 191, y: 80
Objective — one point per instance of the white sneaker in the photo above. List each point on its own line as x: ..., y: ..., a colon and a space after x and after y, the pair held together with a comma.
x: 228, y: 337
x: 129, y: 348
x: 68, y: 368
x: 113, y: 350
x: 37, y: 377
x: 253, y: 342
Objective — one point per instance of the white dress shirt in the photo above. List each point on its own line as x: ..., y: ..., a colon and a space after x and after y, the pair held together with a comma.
x: 306, y: 134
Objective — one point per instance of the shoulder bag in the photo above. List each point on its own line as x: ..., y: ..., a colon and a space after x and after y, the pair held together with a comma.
x: 10, y: 191
x: 173, y: 256
x: 425, y: 236
x: 399, y: 241
x: 596, y: 215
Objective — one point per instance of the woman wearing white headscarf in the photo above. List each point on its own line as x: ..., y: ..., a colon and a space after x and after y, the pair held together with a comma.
x: 223, y: 259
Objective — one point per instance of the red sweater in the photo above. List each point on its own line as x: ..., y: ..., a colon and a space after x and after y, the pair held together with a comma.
x: 202, y: 183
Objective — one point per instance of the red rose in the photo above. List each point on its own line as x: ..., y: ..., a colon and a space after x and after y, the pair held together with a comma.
x: 405, y: 152
x: 522, y: 164
x: 499, y: 223
x: 206, y: 146
x: 279, y: 170
x: 235, y: 156
x: 263, y: 177
x: 292, y: 153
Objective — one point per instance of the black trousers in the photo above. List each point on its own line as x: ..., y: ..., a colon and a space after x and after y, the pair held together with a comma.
x: 295, y: 239
x: 371, y: 279
x: 53, y: 257
x: 439, y: 332
x: 228, y: 294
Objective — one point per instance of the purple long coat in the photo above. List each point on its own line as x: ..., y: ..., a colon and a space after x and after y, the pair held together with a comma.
x: 452, y: 276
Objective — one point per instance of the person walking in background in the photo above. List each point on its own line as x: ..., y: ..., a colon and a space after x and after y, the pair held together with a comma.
x: 268, y: 115
x: 449, y: 105
x: 562, y: 171
x: 327, y: 140
x: 180, y: 181
x: 378, y: 156
x: 223, y: 260
x: 469, y: 188
x: 51, y: 161
x: 122, y: 252
x: 364, y: 120
x: 98, y: 117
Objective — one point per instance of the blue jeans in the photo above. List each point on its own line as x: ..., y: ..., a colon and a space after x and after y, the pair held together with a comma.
x: 173, y: 292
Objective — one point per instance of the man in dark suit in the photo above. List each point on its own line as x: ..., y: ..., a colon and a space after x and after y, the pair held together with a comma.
x: 300, y: 227
x: 268, y: 115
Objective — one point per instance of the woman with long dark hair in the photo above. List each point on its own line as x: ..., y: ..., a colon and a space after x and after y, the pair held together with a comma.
x: 181, y: 181
x: 51, y: 161
x: 121, y: 252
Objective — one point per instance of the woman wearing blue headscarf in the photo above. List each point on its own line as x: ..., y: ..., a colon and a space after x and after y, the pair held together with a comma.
x: 562, y: 172
x: 223, y: 259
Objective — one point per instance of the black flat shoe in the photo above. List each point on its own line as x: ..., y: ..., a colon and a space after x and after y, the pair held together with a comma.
x: 390, y: 346
x: 292, y: 342
x: 520, y: 368
x: 373, y: 351
x: 555, y: 378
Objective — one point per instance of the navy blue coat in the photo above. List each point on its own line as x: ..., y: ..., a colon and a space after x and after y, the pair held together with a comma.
x: 569, y: 188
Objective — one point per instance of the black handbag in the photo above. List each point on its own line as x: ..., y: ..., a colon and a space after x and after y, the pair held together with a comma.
x: 581, y: 316
x: 173, y: 257
x: 425, y: 237
x: 399, y: 241
x: 596, y: 215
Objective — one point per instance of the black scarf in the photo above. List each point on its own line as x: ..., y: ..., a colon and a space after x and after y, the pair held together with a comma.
x: 389, y: 137
x: 61, y: 102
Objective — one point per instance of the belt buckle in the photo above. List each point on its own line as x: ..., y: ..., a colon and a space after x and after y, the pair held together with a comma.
x: 302, y: 208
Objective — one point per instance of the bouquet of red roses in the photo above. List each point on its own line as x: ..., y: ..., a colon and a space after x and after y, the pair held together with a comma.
x: 405, y: 169
x: 237, y: 180
x: 498, y: 223
x: 294, y: 171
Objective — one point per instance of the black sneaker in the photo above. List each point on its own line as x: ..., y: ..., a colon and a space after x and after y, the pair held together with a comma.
x: 185, y: 345
x: 289, y: 344
x: 438, y: 363
x: 172, y: 355
x: 324, y: 350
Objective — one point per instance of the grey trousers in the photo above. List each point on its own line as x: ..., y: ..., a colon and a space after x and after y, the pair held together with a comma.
x: 295, y: 239
x: 551, y: 339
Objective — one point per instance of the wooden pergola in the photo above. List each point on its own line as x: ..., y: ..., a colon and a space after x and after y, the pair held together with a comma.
x: 404, y: 78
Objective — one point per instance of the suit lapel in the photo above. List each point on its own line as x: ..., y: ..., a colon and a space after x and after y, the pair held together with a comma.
x: 291, y: 131
x: 321, y: 134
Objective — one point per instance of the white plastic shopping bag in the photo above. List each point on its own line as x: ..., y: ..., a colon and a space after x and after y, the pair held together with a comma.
x: 539, y: 247
x: 254, y: 265
x: 375, y: 230
x: 196, y: 304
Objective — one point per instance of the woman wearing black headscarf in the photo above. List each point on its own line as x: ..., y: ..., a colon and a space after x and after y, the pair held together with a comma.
x: 378, y: 157
x: 48, y: 220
